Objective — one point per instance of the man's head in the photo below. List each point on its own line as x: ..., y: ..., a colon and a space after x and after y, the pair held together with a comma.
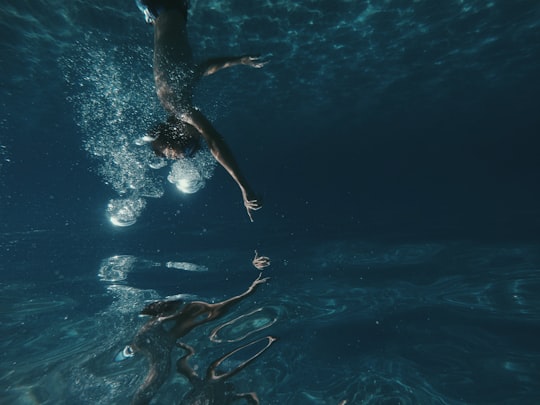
x: 162, y: 308
x: 174, y: 139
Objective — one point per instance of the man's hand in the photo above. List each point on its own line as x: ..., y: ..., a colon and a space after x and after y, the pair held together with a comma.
x: 260, y: 262
x: 251, y: 201
x: 260, y: 280
x: 253, y: 61
x: 252, y: 205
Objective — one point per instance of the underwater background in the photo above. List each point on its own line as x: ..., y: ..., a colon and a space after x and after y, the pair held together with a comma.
x: 396, y: 147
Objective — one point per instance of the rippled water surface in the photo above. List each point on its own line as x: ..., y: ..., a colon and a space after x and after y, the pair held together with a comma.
x: 451, y: 322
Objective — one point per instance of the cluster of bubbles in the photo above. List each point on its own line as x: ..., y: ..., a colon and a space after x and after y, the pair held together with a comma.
x: 110, y: 102
x: 190, y: 175
x: 3, y: 156
x: 186, y: 266
x: 125, y: 211
x: 115, y: 104
x: 114, y: 273
x: 115, y: 269
x: 4, y: 150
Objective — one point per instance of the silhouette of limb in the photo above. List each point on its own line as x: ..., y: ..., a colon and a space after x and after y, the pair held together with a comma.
x: 211, y: 373
x: 183, y: 366
x: 250, y: 397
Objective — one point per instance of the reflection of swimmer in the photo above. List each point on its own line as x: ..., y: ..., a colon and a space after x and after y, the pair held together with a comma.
x: 175, y: 75
x: 170, y: 320
x: 213, y: 389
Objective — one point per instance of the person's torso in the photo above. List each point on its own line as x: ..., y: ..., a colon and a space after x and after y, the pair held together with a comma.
x: 175, y: 73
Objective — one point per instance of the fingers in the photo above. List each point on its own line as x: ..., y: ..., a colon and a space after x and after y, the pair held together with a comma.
x: 260, y: 262
x: 252, y: 205
x: 257, y: 61
x: 259, y: 65
x: 249, y: 215
x: 260, y: 280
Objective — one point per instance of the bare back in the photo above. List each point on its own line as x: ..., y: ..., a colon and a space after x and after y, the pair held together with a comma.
x: 174, y: 70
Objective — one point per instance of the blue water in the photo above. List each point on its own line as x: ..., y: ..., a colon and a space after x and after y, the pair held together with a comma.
x: 396, y: 147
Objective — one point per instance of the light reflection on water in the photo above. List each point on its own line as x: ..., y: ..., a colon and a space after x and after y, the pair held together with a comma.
x: 341, y: 336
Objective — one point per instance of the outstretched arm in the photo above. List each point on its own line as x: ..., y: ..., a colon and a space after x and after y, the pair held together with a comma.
x: 211, y: 66
x: 224, y: 156
x: 219, y: 308
x: 198, y: 312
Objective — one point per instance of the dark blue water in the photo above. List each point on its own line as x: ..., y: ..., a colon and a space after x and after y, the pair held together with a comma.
x: 395, y: 145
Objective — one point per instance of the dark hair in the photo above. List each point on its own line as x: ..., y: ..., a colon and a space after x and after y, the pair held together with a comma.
x: 160, y: 308
x: 175, y: 134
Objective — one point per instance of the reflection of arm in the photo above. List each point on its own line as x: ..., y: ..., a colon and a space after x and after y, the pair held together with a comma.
x: 219, y: 308
x: 197, y: 313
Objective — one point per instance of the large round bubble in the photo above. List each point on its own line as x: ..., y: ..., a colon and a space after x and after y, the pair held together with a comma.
x: 190, y: 175
x: 124, y: 212
x: 186, y: 177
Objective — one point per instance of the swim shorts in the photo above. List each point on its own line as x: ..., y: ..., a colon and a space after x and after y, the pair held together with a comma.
x: 153, y: 8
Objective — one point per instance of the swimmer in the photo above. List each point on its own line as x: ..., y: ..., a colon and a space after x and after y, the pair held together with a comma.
x: 175, y: 75
x: 170, y: 321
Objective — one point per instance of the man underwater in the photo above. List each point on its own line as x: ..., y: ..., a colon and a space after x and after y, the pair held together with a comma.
x: 175, y: 75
